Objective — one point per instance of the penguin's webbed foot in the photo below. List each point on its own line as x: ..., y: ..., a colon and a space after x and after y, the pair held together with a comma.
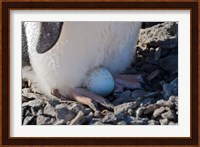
x: 129, y: 81
x: 85, y: 97
x: 90, y: 99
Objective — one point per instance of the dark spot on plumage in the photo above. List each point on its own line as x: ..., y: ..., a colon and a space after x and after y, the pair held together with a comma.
x: 50, y: 33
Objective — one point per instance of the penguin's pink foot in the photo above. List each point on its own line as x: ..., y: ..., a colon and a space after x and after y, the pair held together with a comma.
x: 129, y: 81
x: 85, y: 97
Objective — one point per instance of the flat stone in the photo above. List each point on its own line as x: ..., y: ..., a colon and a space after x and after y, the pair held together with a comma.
x: 44, y: 120
x: 34, y: 103
x: 174, y: 100
x: 31, y: 95
x: 140, y: 111
x: 164, y: 121
x: 153, y: 122
x: 138, y: 93
x: 167, y: 90
x: 169, y: 63
x: 124, y: 97
x: 99, y: 123
x: 109, y: 118
x: 162, y: 35
x: 157, y: 54
x: 158, y: 111
x: 148, y: 68
x: 169, y: 114
x: 76, y: 107
x: 122, y: 123
x: 49, y: 110
x: 171, y: 123
x: 60, y: 122
x: 170, y: 89
x: 54, y: 102
x: 160, y: 102
x: 150, y: 109
x: 137, y: 122
x: 62, y: 113
x: 26, y: 90
x: 79, y: 119
x: 29, y: 120
x: 153, y: 75
x: 123, y: 108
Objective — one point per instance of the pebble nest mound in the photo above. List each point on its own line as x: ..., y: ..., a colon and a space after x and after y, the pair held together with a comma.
x: 154, y: 102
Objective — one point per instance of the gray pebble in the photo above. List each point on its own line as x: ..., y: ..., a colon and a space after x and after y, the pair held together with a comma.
x: 99, y: 123
x: 124, y: 97
x: 140, y: 111
x: 60, y: 122
x: 109, y: 118
x: 79, y: 119
x: 62, y: 113
x: 150, y: 109
x: 153, y: 75
x: 26, y: 90
x: 123, y: 108
x: 76, y: 107
x: 153, y: 122
x: 34, y: 103
x: 49, y: 110
x: 169, y: 114
x: 138, y: 93
x: 122, y: 123
x: 29, y: 120
x: 164, y: 121
x: 169, y: 62
x: 137, y: 122
x: 158, y: 111
x: 45, y: 120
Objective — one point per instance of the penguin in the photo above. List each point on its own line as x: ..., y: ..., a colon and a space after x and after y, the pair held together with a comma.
x: 63, y: 54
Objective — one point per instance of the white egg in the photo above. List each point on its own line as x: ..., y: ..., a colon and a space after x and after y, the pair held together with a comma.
x: 100, y: 81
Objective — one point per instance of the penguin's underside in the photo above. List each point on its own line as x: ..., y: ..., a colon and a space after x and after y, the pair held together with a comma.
x: 62, y: 55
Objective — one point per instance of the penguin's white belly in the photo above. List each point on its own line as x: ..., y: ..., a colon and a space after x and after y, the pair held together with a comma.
x: 81, y: 47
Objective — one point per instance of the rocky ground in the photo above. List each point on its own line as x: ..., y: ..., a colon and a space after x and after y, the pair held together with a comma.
x: 155, y: 102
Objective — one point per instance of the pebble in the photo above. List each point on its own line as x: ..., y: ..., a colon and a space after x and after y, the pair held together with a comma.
x: 122, y: 123
x: 29, y: 120
x: 164, y: 121
x: 153, y: 122
x: 49, y: 110
x: 109, y: 118
x: 171, y: 123
x: 169, y: 114
x: 124, y: 97
x: 154, y: 74
x: 137, y: 122
x: 34, y: 103
x: 157, y: 54
x: 169, y: 63
x: 150, y: 109
x: 158, y: 111
x: 140, y: 111
x: 123, y: 108
x: 138, y: 93
x: 79, y: 119
x: 44, y: 120
x: 62, y: 113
